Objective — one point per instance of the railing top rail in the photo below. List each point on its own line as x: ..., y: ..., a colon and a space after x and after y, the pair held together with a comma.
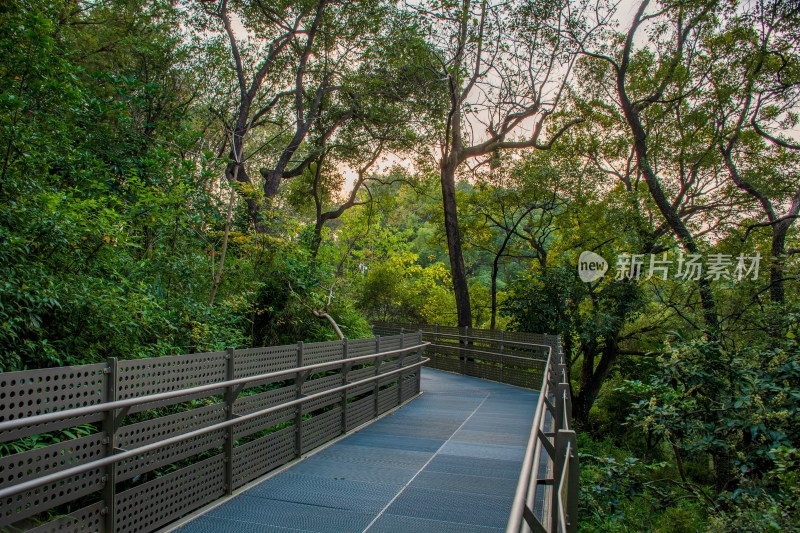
x: 127, y: 454
x: 472, y: 350
x: 107, y: 406
x: 488, y: 339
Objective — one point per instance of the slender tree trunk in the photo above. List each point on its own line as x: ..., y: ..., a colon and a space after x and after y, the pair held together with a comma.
x: 331, y: 321
x: 218, y: 276
x: 316, y: 239
x: 580, y: 408
x: 672, y: 218
x: 494, y: 290
x: 457, y: 269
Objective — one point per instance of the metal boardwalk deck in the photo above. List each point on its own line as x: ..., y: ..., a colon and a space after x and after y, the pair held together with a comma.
x: 447, y: 462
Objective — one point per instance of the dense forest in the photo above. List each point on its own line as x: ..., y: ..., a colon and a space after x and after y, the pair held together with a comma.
x: 179, y: 177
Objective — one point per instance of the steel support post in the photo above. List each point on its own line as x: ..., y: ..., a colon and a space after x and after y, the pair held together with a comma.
x: 298, y: 414
x: 419, y: 368
x: 230, y: 398
x: 502, y: 358
x: 110, y: 426
x: 400, y: 374
x: 566, y: 446
x: 463, y: 343
x: 378, y: 361
x: 435, y: 341
x: 345, y: 370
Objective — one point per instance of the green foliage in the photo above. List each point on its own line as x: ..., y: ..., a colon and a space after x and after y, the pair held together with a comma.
x: 557, y: 301
x: 703, y: 404
x: 399, y: 290
x: 705, y: 398
x: 46, y: 439
x: 772, y: 505
x: 99, y: 253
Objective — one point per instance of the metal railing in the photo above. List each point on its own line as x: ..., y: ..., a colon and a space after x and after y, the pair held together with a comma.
x: 546, y: 499
x: 298, y: 402
x: 515, y: 358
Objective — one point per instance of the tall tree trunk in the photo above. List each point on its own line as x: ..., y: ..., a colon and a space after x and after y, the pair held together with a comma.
x: 776, y: 283
x: 592, y: 379
x: 457, y: 269
x: 632, y: 113
x: 779, y: 225
x: 494, y: 290
x: 672, y: 218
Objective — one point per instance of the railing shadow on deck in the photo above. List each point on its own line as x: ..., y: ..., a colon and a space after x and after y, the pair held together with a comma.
x: 546, y: 499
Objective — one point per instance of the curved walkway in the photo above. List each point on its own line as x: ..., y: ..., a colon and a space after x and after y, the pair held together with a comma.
x: 446, y: 462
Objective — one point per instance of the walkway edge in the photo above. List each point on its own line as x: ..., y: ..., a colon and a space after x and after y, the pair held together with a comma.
x: 216, y: 503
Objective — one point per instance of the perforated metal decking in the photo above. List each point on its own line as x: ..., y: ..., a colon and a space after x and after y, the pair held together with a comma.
x: 446, y: 462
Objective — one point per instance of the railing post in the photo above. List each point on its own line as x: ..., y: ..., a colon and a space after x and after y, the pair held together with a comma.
x: 419, y: 368
x: 378, y: 361
x: 435, y: 348
x: 230, y: 398
x: 463, y: 343
x: 563, y: 406
x: 556, y: 370
x: 566, y: 446
x: 345, y: 370
x: 298, y: 414
x: 502, y: 358
x: 110, y: 426
x: 399, y: 366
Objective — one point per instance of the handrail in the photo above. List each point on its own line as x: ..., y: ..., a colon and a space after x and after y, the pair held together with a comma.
x: 504, y: 356
x: 485, y: 339
x: 57, y: 476
x: 108, y: 406
x: 562, y: 460
x: 532, y: 457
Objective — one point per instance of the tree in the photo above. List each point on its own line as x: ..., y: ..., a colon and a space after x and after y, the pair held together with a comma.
x: 505, y: 67
x: 337, y: 51
x: 764, y: 165
x: 504, y: 214
x: 669, y: 85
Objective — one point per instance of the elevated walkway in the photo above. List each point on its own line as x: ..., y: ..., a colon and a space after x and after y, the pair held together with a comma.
x: 446, y: 462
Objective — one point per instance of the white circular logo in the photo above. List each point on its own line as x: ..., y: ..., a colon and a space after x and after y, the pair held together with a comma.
x: 591, y: 266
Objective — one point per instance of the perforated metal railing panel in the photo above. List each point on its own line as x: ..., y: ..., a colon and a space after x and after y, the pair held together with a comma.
x: 147, y: 491
x: 35, y: 392
x: 448, y: 462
